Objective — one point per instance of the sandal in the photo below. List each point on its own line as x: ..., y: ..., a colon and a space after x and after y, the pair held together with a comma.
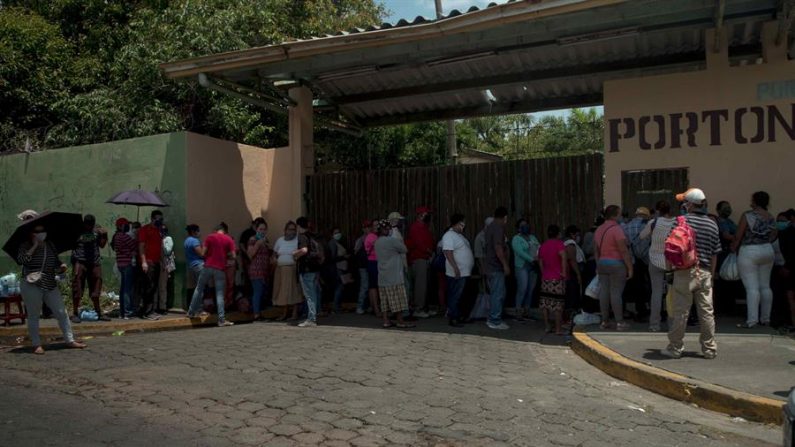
x: 388, y: 325
x: 76, y: 345
x: 622, y: 326
x: 38, y: 350
x: 405, y: 325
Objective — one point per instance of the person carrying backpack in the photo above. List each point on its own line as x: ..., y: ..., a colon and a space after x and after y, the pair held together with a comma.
x: 310, y: 257
x: 691, y: 250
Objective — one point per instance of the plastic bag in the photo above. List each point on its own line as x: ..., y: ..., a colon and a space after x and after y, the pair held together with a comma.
x: 89, y: 315
x: 729, y: 270
x: 482, y: 307
x: 585, y: 319
x: 593, y: 288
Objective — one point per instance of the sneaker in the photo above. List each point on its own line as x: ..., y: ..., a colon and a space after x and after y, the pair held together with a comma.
x: 125, y: 317
x: 670, y: 353
x: 359, y: 311
x: 654, y: 328
x: 307, y: 323
x: 421, y: 314
x: 501, y: 326
x: 75, y: 319
x: 432, y: 313
x: 225, y: 324
x: 150, y: 317
x: 709, y: 355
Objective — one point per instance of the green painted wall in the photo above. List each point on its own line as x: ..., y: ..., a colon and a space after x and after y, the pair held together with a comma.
x: 80, y: 180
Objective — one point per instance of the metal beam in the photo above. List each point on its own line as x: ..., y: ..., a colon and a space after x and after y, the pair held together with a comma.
x: 518, y: 78
x: 720, y: 11
x: 541, y: 105
x: 786, y: 14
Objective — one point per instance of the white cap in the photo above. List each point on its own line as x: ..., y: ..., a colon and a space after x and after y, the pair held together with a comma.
x: 692, y: 195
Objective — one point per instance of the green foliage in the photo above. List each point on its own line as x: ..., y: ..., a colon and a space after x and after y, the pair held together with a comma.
x: 87, y: 71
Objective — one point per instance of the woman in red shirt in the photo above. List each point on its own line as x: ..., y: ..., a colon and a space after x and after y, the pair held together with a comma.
x: 552, y: 259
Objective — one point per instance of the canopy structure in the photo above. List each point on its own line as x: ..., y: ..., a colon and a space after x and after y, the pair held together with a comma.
x: 515, y: 57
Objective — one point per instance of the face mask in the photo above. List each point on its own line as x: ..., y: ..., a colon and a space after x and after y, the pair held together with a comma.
x: 525, y: 229
x: 427, y: 218
x: 158, y: 223
x: 337, y: 236
x: 683, y: 209
x: 577, y: 240
x: 289, y: 236
x: 260, y: 235
x: 41, y: 236
x: 725, y: 212
x: 781, y: 226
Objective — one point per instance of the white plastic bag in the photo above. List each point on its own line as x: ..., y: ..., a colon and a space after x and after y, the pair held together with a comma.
x: 729, y: 270
x: 593, y: 288
x: 482, y: 306
x: 585, y: 319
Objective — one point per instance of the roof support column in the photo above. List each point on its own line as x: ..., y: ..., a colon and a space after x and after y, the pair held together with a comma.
x: 774, y: 49
x: 718, y: 55
x: 301, y: 146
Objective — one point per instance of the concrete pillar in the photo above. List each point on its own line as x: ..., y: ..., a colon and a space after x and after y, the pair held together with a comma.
x: 717, y: 59
x: 301, y: 146
x: 772, y: 53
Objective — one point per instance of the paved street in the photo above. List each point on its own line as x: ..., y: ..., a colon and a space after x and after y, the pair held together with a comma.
x: 346, y: 382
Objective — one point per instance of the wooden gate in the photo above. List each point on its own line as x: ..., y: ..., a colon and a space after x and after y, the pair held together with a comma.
x: 563, y: 191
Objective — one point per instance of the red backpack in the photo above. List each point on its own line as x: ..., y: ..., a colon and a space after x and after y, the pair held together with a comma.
x: 680, y: 246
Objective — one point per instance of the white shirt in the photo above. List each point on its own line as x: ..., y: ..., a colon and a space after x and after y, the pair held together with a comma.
x: 662, y: 228
x: 284, y: 250
x: 462, y: 253
x: 580, y: 255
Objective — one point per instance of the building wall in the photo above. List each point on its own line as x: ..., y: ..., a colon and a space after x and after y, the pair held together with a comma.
x: 732, y: 127
x: 236, y: 183
x: 80, y: 180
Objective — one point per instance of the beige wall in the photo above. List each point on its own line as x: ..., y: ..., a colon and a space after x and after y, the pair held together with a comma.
x: 729, y: 171
x: 237, y: 183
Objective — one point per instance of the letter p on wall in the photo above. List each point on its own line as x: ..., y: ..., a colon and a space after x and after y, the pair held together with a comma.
x: 614, y: 128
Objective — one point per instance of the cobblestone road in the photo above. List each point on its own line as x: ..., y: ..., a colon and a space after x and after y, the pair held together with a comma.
x: 343, y: 383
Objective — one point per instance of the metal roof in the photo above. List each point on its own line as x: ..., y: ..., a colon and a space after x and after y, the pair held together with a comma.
x: 520, y: 56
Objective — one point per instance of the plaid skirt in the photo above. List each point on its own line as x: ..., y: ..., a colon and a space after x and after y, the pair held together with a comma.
x: 553, y: 295
x: 393, y: 298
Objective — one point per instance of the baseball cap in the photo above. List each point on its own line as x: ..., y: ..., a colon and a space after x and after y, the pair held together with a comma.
x: 122, y: 221
x: 394, y: 215
x: 692, y: 195
x: 642, y: 211
x: 423, y: 209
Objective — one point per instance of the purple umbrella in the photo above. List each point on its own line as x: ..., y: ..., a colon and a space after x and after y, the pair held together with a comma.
x: 139, y: 198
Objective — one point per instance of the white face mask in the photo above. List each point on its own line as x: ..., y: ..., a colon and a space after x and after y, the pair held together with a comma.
x: 41, y: 236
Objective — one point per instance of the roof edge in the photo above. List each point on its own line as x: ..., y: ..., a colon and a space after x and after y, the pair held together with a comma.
x: 472, y: 21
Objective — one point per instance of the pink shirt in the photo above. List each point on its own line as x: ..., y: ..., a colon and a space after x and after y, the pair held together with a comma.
x: 218, y: 245
x: 369, y: 246
x: 609, y: 238
x: 551, y: 259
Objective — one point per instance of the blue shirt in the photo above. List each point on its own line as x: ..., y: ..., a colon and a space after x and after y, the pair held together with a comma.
x: 191, y: 256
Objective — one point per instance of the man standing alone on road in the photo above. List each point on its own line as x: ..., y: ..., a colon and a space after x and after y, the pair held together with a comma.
x: 219, y: 248
x: 695, y: 283
x: 496, y: 267
x: 421, y: 247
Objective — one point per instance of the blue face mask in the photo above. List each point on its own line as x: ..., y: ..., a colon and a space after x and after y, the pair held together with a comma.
x: 524, y: 229
x: 781, y: 226
x: 260, y: 236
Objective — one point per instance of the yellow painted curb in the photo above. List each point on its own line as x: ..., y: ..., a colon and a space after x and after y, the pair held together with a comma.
x: 676, y: 386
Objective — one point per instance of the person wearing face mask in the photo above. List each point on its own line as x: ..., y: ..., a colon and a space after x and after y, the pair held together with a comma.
x: 194, y: 258
x: 575, y: 259
x: 243, y: 259
x: 168, y: 264
x: 421, y: 248
x: 459, y: 262
x: 286, y: 290
x: 258, y: 253
x: 525, y: 261
x: 219, y: 249
x: 726, y: 292
x: 37, y: 254
x: 150, y: 252
x: 786, y: 241
x: 755, y: 258
x: 125, y: 248
x: 87, y: 267
x: 339, y: 257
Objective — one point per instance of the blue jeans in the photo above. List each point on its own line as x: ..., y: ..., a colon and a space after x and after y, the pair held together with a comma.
x: 219, y: 277
x: 455, y: 288
x: 126, y: 301
x: 258, y: 286
x: 364, y: 285
x: 311, y: 288
x: 497, y: 296
x: 526, y: 279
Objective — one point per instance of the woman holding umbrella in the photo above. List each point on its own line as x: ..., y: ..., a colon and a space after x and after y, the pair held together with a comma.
x: 40, y: 263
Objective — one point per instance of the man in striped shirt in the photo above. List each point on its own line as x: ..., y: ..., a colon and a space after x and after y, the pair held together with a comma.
x: 695, y: 284
x: 125, y: 247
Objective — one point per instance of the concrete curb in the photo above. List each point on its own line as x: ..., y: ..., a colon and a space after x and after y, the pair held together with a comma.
x: 18, y: 335
x: 676, y: 386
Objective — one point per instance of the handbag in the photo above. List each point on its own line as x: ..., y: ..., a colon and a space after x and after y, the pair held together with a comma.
x: 729, y: 270
x: 35, y: 277
x: 593, y: 288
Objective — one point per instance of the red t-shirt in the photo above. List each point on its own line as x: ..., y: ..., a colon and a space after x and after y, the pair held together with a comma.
x: 218, y: 246
x: 153, y: 243
x: 420, y: 242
